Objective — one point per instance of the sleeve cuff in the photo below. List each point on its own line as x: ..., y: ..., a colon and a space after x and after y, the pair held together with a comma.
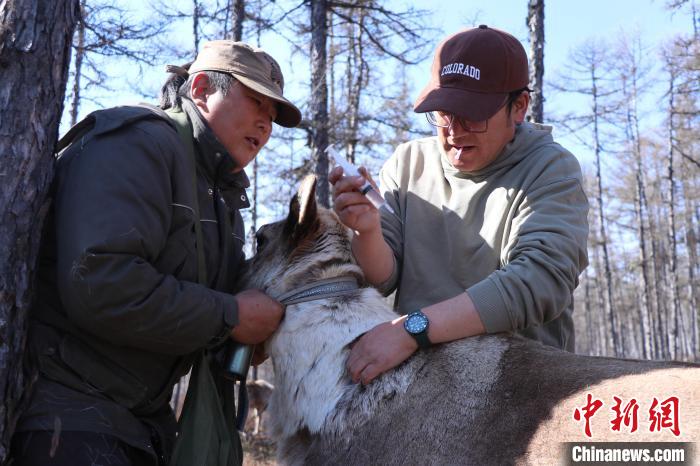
x: 229, y: 318
x: 389, y: 285
x: 490, y: 306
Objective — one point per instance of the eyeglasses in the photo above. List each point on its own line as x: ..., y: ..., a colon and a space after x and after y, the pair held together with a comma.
x: 447, y: 120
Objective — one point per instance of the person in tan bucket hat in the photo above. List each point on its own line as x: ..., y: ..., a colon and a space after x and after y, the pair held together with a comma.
x: 139, y: 258
x: 490, y: 225
x: 253, y: 68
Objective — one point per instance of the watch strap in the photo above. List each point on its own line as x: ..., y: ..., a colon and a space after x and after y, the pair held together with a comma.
x: 422, y: 339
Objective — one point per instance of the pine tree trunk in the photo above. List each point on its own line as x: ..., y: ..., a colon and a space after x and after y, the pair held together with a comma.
x: 606, y: 282
x: 594, y: 292
x: 238, y: 18
x: 588, y: 315
x: 335, y: 128
x: 641, y: 213
x: 195, y: 25
x: 319, y: 98
x: 535, y: 23
x: 645, y: 295
x: 691, y: 246
x: 79, y: 53
x: 35, y: 45
x: 355, y: 84
x: 671, y: 263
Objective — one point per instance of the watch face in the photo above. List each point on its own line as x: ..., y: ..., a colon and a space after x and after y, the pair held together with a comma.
x: 416, y: 323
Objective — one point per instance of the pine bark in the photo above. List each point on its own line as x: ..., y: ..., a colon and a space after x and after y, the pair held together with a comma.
x: 196, y: 10
x: 238, y: 18
x: 646, y: 257
x: 672, y: 272
x: 355, y: 84
x: 77, y: 72
x: 319, y: 98
x: 535, y: 23
x: 691, y: 246
x: 595, y: 295
x: 606, y: 282
x: 645, y: 298
x: 35, y: 45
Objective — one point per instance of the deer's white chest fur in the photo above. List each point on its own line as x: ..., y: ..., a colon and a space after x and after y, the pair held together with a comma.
x: 309, y: 353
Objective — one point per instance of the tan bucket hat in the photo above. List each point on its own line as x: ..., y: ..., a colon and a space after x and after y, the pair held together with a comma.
x: 254, y: 68
x: 473, y: 72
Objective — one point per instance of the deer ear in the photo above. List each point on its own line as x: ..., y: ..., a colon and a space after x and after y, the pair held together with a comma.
x: 293, y: 216
x: 307, y: 200
x: 302, y: 220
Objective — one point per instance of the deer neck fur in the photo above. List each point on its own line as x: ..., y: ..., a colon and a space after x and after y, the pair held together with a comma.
x: 309, y: 353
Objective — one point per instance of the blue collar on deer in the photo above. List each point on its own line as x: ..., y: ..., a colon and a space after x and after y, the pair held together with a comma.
x: 328, y: 288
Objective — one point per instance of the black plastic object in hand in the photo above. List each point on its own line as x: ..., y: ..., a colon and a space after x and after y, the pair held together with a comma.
x: 238, y: 361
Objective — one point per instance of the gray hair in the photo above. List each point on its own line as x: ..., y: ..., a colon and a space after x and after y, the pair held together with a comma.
x: 178, y: 86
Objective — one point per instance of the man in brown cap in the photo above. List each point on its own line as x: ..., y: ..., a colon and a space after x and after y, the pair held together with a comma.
x: 491, y: 217
x: 140, y: 253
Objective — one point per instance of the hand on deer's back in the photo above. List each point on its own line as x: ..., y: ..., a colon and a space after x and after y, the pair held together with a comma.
x: 384, y: 347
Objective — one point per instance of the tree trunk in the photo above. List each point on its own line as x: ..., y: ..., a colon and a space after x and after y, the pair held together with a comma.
x: 79, y: 53
x: 195, y: 25
x: 355, y: 85
x: 606, y: 282
x: 672, y: 254
x: 657, y: 272
x: 631, y: 58
x: 319, y: 98
x: 588, y: 315
x: 645, y: 285
x: 35, y: 46
x: 238, y: 18
x: 335, y: 130
x: 691, y: 246
x: 598, y: 301
x: 535, y: 23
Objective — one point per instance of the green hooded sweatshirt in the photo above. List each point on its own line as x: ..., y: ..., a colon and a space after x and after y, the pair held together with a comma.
x: 512, y: 235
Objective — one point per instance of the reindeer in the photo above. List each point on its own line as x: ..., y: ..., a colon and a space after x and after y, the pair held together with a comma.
x: 259, y: 394
x: 493, y: 399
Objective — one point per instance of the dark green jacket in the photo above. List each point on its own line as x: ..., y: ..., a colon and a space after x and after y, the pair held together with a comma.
x: 119, y: 312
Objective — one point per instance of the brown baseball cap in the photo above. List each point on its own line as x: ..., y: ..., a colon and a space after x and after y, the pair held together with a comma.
x: 473, y: 72
x: 254, y: 68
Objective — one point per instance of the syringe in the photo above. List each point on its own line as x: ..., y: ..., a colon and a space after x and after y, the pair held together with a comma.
x: 367, y: 189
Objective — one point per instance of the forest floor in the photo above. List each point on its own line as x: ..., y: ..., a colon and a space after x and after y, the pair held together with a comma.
x: 258, y: 450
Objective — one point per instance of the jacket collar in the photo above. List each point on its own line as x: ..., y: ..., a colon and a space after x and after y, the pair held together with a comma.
x: 213, y: 158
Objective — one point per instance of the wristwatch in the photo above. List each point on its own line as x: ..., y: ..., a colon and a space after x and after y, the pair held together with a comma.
x: 416, y: 324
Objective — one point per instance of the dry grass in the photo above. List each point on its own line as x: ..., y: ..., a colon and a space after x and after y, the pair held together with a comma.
x: 258, y: 450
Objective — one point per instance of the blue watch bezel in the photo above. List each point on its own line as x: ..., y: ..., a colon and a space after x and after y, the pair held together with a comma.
x: 416, y: 323
x: 420, y: 334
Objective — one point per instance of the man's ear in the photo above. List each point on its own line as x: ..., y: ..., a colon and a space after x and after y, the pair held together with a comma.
x: 302, y: 220
x: 200, y: 89
x: 520, y: 106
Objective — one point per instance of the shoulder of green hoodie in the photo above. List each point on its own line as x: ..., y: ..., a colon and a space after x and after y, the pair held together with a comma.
x: 546, y: 241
